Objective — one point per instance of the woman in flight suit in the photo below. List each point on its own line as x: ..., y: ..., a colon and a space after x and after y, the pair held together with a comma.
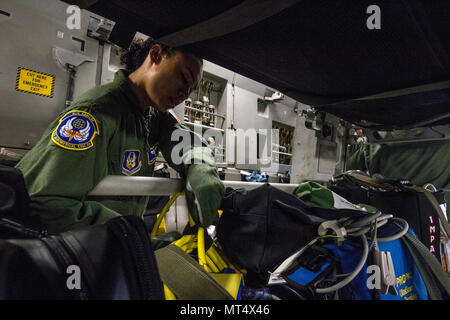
x: 118, y: 129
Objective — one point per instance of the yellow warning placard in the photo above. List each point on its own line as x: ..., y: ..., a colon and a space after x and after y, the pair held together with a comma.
x: 35, y: 82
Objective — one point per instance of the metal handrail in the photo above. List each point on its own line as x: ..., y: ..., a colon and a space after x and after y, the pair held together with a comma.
x: 155, y: 186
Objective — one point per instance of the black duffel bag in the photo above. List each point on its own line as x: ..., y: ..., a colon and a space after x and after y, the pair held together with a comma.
x: 110, y: 261
x: 260, y: 228
x: 418, y: 206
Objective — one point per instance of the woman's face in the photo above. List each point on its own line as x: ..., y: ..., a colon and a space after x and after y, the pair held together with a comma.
x: 170, y: 80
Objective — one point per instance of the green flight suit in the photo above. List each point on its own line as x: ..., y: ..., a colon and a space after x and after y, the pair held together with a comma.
x: 104, y: 132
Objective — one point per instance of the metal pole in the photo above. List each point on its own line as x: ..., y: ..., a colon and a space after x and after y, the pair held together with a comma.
x: 153, y: 186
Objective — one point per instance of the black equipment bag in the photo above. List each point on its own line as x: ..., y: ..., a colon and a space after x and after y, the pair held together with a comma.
x: 260, y: 228
x: 399, y: 198
x: 112, y: 261
x: 15, y: 203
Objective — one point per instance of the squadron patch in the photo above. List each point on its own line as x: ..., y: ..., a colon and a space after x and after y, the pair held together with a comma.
x: 76, y: 131
x: 131, y: 162
x: 152, y: 154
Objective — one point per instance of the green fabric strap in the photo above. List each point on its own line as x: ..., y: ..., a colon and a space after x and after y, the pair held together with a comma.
x: 371, y: 182
x: 430, y: 283
x: 431, y: 271
x: 186, y: 278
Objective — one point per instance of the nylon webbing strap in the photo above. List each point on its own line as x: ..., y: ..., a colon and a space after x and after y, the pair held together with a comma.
x: 429, y: 267
x: 371, y: 182
x: 430, y: 283
x: 186, y: 278
x: 237, y: 18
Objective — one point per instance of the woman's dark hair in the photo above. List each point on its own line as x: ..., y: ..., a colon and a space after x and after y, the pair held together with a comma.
x: 133, y: 57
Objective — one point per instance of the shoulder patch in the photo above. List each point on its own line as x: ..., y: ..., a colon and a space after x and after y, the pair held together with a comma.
x: 131, y: 162
x: 76, y: 131
x: 152, y: 154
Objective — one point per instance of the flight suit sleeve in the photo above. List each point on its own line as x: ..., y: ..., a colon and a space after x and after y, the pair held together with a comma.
x: 65, y: 165
x: 356, y: 157
x: 188, y: 153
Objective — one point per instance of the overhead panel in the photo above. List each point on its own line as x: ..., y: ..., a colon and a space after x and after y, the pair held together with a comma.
x: 320, y: 53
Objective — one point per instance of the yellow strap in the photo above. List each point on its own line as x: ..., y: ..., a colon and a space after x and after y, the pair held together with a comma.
x: 201, y: 246
x: 216, y: 258
x: 213, y: 262
x: 191, y: 221
x: 211, y: 265
x: 162, y: 227
x: 163, y: 213
x: 169, y: 294
x: 187, y: 243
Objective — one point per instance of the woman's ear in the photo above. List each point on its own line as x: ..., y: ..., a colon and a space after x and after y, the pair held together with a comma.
x: 155, y: 54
